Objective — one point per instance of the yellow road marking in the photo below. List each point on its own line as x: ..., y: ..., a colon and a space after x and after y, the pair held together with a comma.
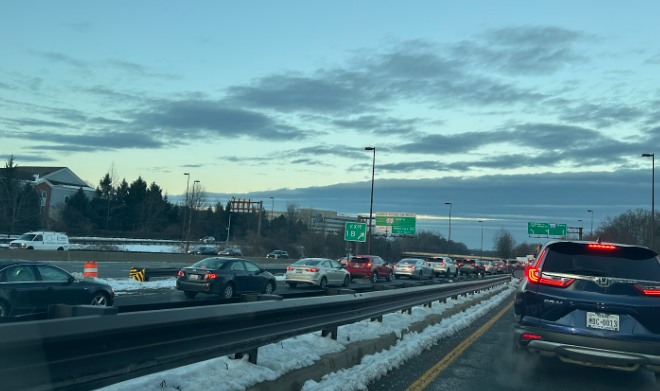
x: 432, y: 373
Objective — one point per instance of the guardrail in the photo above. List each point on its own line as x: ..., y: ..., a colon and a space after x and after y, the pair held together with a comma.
x: 94, y: 351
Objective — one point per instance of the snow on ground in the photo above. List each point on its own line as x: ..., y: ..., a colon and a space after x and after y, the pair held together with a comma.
x: 124, y: 285
x: 226, y: 374
x: 280, y: 278
x: 373, y: 367
x: 148, y: 248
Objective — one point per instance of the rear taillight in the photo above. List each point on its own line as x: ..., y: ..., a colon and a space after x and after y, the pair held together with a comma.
x: 648, y: 290
x: 412, y: 268
x: 210, y: 276
x: 529, y: 337
x: 536, y: 277
x: 289, y: 268
x: 313, y: 270
x: 180, y: 274
x: 395, y: 266
x: 442, y: 263
x: 602, y: 246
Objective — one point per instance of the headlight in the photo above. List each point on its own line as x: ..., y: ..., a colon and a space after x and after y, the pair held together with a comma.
x: 22, y: 244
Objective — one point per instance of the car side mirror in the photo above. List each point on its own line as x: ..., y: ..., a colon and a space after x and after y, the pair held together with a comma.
x: 518, y: 273
x: 262, y: 270
x: 72, y: 279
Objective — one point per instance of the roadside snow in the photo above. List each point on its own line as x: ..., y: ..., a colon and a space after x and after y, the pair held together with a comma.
x: 124, y: 285
x: 280, y: 278
x: 148, y: 248
x: 373, y: 367
x: 226, y: 374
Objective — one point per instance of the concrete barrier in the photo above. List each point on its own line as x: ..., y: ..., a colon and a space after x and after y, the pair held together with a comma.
x: 120, y: 256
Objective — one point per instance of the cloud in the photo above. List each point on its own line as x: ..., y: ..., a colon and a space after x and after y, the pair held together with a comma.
x: 413, y: 166
x: 602, y: 115
x: 35, y: 122
x: 92, y: 141
x: 380, y: 125
x: 528, y: 50
x: 28, y: 158
x: 81, y: 27
x: 336, y: 150
x: 439, y: 144
x: 139, y: 70
x: 207, y: 118
x: 6, y: 86
x: 192, y: 165
x: 64, y: 59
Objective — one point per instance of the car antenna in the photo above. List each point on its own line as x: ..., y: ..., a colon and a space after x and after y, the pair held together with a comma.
x: 599, y: 241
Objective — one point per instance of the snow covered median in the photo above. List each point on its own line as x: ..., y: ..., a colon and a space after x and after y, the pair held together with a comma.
x: 275, y: 360
x: 125, y: 285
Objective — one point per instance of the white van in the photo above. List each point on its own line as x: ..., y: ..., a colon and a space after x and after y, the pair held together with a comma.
x: 41, y: 240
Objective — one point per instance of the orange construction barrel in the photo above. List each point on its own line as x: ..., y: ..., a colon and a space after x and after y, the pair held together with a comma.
x: 91, y: 269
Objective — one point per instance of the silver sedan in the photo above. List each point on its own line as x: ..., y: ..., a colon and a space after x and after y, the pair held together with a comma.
x: 412, y: 268
x: 320, y: 272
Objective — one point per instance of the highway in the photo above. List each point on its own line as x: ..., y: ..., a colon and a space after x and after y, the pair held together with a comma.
x: 463, y: 362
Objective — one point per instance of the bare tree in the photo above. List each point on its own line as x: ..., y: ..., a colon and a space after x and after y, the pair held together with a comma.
x: 504, y: 243
x: 108, y: 192
x: 18, y: 200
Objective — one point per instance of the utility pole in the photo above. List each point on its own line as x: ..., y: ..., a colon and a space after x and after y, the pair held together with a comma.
x: 190, y: 214
x: 185, y: 208
x: 261, y: 208
x: 449, y: 236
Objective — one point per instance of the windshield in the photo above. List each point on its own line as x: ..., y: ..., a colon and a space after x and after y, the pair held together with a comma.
x: 409, y: 262
x: 620, y: 262
x: 210, y: 263
x: 307, y: 262
x: 26, y: 237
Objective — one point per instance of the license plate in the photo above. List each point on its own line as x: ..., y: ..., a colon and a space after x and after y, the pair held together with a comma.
x: 603, y: 321
x: 193, y: 276
x: 298, y: 271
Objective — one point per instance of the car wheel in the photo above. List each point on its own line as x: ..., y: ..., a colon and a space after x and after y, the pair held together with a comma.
x: 268, y: 290
x: 324, y: 283
x: 292, y: 284
x: 30, y: 248
x: 347, y: 281
x: 189, y: 294
x: 389, y: 277
x: 374, y: 277
x: 100, y: 299
x: 60, y: 249
x: 228, y: 293
x: 4, y: 310
x: 421, y: 275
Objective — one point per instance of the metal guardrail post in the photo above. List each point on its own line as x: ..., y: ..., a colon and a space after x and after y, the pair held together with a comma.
x: 332, y: 332
x: 377, y: 319
x: 252, y: 355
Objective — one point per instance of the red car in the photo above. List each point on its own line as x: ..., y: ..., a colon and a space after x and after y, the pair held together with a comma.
x: 372, y: 267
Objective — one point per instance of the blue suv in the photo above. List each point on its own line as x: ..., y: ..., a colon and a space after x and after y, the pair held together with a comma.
x: 593, y: 304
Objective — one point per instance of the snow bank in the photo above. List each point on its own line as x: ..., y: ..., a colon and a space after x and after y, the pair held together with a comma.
x: 124, y: 285
x: 373, y: 367
x: 275, y: 360
x: 147, y: 248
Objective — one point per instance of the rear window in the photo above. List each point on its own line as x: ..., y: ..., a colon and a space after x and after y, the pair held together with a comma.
x: 621, y: 262
x: 307, y: 262
x: 467, y: 261
x: 409, y: 262
x: 360, y: 260
x: 211, y: 263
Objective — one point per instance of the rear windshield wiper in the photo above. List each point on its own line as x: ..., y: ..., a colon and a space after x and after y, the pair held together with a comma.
x: 586, y: 272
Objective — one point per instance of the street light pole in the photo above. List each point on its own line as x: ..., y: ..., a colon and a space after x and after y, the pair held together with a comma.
x: 652, y: 156
x: 482, y: 238
x: 371, y: 206
x: 272, y: 209
x: 192, y: 199
x: 592, y: 222
x: 185, y: 208
x: 449, y: 236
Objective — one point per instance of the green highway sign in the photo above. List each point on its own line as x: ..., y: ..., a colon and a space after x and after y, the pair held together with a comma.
x: 355, y: 232
x: 546, y: 229
x: 396, y: 223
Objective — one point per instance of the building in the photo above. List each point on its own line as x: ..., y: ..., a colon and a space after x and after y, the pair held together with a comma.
x: 55, y: 186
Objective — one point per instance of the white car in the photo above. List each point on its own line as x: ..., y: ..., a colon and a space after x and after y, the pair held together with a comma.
x: 319, y: 272
x: 41, y: 240
x: 443, y: 266
x: 412, y: 268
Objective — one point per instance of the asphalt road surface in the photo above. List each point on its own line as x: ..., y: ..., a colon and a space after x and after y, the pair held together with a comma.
x: 487, y: 364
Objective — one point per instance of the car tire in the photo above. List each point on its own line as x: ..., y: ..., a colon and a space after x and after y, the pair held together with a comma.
x: 100, y: 299
x: 374, y: 277
x: 292, y: 284
x: 323, y: 283
x: 190, y: 294
x: 30, y: 248
x: 390, y: 277
x: 60, y: 249
x: 4, y: 310
x: 229, y: 291
x: 268, y: 289
x: 347, y: 281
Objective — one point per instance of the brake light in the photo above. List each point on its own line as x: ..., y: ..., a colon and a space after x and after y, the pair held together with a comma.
x: 180, y: 274
x: 601, y: 246
x: 529, y: 337
x: 368, y: 265
x: 442, y: 263
x: 538, y: 260
x: 395, y: 266
x: 412, y: 268
x: 535, y: 276
x: 289, y: 268
x: 648, y: 290
x: 458, y: 263
x: 210, y: 276
x: 313, y: 270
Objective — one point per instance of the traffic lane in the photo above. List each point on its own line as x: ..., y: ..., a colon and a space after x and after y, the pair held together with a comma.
x: 488, y: 364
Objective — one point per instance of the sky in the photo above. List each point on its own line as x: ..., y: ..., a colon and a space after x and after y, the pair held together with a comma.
x: 513, y: 111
